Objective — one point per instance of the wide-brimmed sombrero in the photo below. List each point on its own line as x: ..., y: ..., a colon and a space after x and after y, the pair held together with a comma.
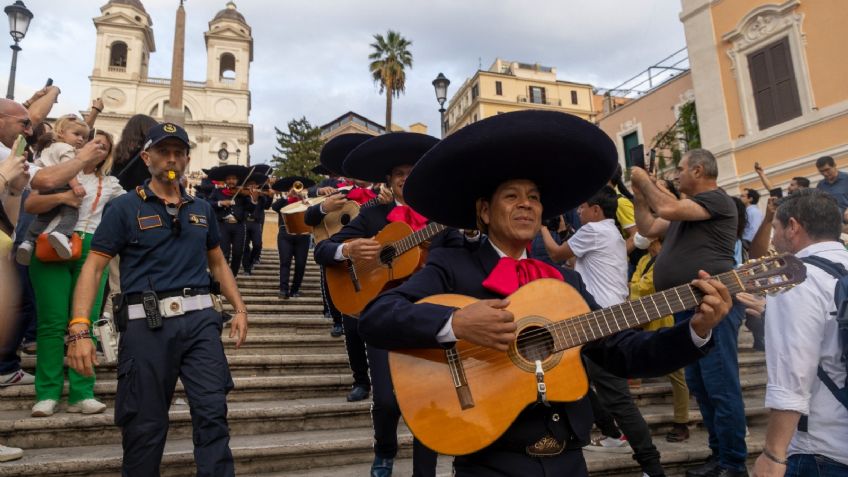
x: 283, y: 184
x: 374, y: 159
x: 321, y: 170
x: 221, y: 173
x: 264, y: 169
x: 334, y: 152
x: 568, y: 158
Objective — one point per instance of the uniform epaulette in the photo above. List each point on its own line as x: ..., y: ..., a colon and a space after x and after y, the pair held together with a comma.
x: 141, y: 193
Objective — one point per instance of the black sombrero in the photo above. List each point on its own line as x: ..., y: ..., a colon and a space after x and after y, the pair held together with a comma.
x: 264, y: 169
x: 283, y: 184
x: 567, y: 157
x: 257, y: 178
x: 334, y: 152
x: 321, y: 170
x: 374, y: 159
x: 220, y: 173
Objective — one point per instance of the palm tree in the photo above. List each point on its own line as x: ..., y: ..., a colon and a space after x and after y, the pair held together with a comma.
x: 388, y: 62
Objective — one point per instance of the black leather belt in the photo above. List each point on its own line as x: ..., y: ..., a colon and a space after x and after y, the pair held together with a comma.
x: 135, y: 298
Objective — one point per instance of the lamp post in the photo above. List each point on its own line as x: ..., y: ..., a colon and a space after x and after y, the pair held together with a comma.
x: 19, y: 18
x: 238, y: 155
x: 441, y: 85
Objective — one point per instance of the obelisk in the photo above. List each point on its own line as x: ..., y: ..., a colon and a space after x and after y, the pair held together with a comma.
x: 174, y: 109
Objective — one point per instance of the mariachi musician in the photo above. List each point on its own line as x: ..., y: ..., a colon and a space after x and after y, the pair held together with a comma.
x: 332, y: 155
x: 261, y: 193
x: 231, y: 203
x: 387, y: 158
x: 291, y: 245
x: 506, y: 174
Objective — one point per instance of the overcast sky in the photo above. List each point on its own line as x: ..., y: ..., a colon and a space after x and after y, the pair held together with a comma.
x: 311, y: 57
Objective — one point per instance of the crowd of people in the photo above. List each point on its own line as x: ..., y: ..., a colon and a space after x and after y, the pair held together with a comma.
x: 111, y: 229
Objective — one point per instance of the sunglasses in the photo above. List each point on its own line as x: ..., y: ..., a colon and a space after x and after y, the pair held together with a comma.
x: 26, y: 123
x: 176, y: 226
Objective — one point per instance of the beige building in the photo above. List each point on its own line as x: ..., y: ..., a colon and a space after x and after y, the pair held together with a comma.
x: 769, y: 78
x: 353, y: 123
x: 512, y: 86
x: 216, y: 109
x: 638, y: 122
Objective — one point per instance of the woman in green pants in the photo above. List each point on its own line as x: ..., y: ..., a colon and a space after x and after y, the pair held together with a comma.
x: 54, y: 283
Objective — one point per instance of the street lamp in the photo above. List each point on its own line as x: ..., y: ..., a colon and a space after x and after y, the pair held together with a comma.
x: 441, y: 85
x: 238, y: 155
x: 19, y: 18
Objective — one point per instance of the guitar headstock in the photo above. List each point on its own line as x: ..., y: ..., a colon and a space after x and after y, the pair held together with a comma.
x: 771, y: 274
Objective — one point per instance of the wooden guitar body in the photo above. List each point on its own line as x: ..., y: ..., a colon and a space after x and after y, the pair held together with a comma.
x: 349, y: 296
x: 455, y: 420
x: 335, y: 220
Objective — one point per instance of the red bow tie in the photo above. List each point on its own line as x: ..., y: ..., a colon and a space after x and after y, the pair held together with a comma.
x: 292, y: 199
x: 403, y: 213
x: 361, y: 195
x: 510, y: 274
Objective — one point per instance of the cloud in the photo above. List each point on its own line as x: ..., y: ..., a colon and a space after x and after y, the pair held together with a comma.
x: 310, y: 58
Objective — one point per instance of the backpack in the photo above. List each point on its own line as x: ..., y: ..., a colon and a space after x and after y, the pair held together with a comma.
x: 840, y: 296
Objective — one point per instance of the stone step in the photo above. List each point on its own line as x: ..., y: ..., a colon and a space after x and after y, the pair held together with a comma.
x: 293, y: 306
x: 288, y: 344
x: 18, y: 429
x: 260, y: 388
x: 254, y: 365
x: 272, y: 299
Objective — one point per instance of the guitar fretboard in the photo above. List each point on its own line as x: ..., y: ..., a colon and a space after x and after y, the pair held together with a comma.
x: 416, y: 238
x: 605, y: 322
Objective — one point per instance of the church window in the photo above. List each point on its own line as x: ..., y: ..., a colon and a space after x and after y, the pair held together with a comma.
x: 228, y: 67
x: 118, y: 55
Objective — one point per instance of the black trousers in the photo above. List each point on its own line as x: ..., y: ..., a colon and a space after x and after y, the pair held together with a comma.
x: 502, y: 463
x: 252, y: 244
x: 292, y: 246
x: 329, y: 308
x: 232, y: 243
x: 356, y: 354
x: 613, y: 394
x: 385, y: 415
x: 149, y: 363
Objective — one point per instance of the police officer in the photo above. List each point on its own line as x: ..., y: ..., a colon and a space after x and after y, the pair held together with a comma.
x: 231, y: 205
x: 166, y: 241
x: 262, y: 196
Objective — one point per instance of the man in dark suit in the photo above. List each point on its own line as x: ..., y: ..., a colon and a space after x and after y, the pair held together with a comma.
x: 476, y: 169
x: 386, y: 158
x: 231, y: 205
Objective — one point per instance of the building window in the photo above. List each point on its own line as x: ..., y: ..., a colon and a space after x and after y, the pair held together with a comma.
x: 630, y: 147
x: 573, y: 97
x: 118, y: 54
x: 475, y: 91
x: 474, y: 120
x: 498, y: 88
x: 773, y: 83
x: 537, y: 94
x: 228, y: 67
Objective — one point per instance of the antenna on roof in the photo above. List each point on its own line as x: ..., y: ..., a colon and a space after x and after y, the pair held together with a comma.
x: 479, y: 63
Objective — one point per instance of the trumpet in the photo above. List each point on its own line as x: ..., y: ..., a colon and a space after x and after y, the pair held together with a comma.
x: 297, y: 186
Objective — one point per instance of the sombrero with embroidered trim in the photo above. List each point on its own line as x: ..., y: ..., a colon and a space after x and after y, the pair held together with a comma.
x: 568, y: 158
x: 283, y: 184
x: 375, y: 158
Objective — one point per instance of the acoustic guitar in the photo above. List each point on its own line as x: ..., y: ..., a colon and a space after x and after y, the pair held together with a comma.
x: 459, y: 400
x: 335, y: 220
x: 352, y: 284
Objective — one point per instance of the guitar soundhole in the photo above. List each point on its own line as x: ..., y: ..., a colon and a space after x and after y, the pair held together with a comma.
x: 387, y: 255
x: 345, y: 219
x: 535, y: 342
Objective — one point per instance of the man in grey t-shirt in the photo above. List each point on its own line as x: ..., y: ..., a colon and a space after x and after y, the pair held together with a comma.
x: 700, y: 234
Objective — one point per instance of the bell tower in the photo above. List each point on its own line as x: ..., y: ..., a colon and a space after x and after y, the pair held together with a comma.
x: 229, y: 50
x: 124, y: 41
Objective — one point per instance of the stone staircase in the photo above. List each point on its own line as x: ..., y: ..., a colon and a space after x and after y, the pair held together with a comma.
x: 288, y: 415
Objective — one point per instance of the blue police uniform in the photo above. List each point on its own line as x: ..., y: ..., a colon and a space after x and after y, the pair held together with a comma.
x: 254, y: 223
x: 232, y: 233
x: 290, y: 246
x: 167, y: 254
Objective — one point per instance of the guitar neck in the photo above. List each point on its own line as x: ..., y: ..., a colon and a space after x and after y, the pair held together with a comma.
x: 370, y: 203
x: 608, y: 321
x: 417, y: 238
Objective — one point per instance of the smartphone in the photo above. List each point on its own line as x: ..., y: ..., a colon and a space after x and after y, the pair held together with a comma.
x: 22, y: 144
x: 653, y: 162
x: 776, y: 192
x: 637, y: 156
x: 49, y: 82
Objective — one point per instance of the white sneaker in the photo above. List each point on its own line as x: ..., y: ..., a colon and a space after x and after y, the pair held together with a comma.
x: 24, y: 253
x: 60, y: 243
x: 10, y: 453
x: 16, y: 378
x: 44, y: 408
x: 608, y: 444
x: 87, y: 406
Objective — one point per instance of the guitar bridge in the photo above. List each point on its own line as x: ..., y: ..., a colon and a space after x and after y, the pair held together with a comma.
x: 463, y: 392
x: 351, y: 270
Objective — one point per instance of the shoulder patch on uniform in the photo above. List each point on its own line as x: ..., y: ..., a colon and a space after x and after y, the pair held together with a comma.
x: 198, y: 219
x: 140, y: 191
x: 149, y: 222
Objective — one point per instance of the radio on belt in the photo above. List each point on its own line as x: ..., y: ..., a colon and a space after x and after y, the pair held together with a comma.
x: 150, y: 302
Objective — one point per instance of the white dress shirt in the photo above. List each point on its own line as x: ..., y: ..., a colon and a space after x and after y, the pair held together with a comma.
x: 800, y: 334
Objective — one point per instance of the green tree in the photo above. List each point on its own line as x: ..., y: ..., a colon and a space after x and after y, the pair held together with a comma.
x: 684, y: 132
x: 389, y: 60
x: 298, y: 150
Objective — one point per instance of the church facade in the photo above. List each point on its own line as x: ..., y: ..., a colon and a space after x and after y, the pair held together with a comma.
x: 216, y: 111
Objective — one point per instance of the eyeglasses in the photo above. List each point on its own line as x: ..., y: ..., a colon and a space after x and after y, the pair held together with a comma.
x: 26, y: 123
x: 176, y: 226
